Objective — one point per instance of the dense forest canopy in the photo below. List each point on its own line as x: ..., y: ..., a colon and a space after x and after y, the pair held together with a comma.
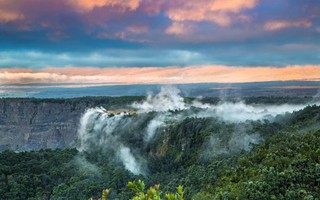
x: 274, y: 157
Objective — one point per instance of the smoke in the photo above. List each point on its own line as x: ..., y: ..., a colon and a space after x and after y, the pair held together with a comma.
x: 114, y: 133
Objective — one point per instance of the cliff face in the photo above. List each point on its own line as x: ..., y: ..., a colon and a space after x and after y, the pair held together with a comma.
x: 31, y: 125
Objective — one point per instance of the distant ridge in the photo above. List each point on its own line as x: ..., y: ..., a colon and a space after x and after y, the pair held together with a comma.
x: 278, y: 88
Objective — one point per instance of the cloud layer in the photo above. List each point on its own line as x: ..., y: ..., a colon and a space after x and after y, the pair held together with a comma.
x: 159, y: 75
x: 37, y: 34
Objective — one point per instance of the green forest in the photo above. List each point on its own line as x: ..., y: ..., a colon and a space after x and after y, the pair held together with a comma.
x: 284, y: 164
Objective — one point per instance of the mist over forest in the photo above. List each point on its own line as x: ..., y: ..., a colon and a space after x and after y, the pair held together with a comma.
x: 159, y: 99
x: 217, y: 148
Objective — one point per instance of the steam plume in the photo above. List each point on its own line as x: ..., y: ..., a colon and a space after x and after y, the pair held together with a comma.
x: 97, y: 133
x: 102, y: 131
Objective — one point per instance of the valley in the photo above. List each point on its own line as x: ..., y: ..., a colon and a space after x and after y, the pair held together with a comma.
x: 215, y: 148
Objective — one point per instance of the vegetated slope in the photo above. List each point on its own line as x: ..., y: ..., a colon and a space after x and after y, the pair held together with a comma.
x: 34, y: 124
x: 203, y: 154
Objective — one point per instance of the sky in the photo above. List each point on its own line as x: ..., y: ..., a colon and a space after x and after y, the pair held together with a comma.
x: 81, y: 43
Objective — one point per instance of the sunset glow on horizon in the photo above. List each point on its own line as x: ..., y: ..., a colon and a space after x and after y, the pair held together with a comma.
x: 123, y: 42
x: 158, y: 75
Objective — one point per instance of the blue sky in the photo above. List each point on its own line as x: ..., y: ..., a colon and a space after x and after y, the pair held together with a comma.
x: 57, y: 34
x: 45, y: 41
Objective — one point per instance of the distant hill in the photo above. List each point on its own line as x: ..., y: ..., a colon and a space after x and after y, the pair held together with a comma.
x: 282, y: 88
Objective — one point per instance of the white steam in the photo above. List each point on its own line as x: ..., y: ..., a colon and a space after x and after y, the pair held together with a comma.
x: 152, y: 127
x: 167, y: 99
x: 241, y: 112
x: 100, y: 130
x: 159, y: 121
x: 238, y: 141
x: 97, y: 132
x: 243, y: 141
x: 129, y: 162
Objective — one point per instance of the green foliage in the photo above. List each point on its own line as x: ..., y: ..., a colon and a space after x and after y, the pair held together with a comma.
x: 153, y: 193
x: 285, y: 165
x: 81, y: 102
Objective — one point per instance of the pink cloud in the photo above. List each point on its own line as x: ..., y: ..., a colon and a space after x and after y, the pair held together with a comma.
x: 233, y: 5
x: 159, y: 75
x: 282, y: 24
x: 134, y: 20
x: 178, y: 28
x: 137, y: 29
x: 8, y: 16
x: 9, y: 11
x: 153, y: 7
x: 220, y: 12
x: 88, y: 5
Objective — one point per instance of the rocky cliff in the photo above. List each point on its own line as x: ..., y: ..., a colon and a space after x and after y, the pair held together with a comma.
x: 32, y: 124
